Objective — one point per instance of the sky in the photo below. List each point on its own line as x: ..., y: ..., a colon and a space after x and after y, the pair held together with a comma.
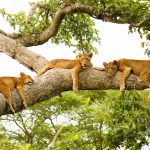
x: 116, y: 43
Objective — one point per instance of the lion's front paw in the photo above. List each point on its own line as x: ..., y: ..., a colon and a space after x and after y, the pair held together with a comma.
x: 122, y: 88
x: 139, y: 79
x: 25, y: 104
x: 75, y: 89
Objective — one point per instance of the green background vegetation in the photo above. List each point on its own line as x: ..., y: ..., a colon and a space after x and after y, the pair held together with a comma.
x: 100, y: 119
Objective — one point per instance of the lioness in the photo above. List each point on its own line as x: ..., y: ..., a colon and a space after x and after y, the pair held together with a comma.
x: 137, y: 67
x: 7, y: 84
x: 83, y: 61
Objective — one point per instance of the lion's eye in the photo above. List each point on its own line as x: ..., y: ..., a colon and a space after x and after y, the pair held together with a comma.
x: 112, y: 67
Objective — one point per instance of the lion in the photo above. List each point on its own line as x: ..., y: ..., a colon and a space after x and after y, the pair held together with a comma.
x: 127, y: 66
x: 7, y: 84
x: 83, y: 61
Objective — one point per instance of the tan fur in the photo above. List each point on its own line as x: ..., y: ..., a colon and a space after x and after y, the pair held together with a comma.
x: 7, y: 84
x: 82, y: 62
x: 137, y: 67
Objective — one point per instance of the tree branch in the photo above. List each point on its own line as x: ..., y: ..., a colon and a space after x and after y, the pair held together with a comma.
x: 52, y: 143
x: 10, y: 35
x: 142, y: 23
x: 55, y: 81
x: 29, y: 16
x: 52, y: 30
x: 107, y: 15
x: 20, y: 53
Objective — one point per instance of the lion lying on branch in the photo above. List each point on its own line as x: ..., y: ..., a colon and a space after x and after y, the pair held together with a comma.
x: 127, y: 66
x: 83, y: 61
x: 7, y: 84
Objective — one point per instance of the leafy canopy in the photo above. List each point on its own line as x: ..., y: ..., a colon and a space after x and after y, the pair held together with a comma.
x: 77, y: 29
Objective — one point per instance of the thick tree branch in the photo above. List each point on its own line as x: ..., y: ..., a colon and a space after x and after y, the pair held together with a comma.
x: 55, y: 81
x: 10, y: 35
x: 107, y: 15
x: 52, y: 30
x: 20, y: 53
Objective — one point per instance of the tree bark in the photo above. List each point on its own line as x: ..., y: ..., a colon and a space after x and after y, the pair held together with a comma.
x: 56, y: 81
x: 20, y: 53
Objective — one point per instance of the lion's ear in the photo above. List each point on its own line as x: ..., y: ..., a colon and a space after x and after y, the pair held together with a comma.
x: 79, y: 55
x: 90, y: 55
x: 105, y: 64
x: 115, y: 62
x: 22, y: 74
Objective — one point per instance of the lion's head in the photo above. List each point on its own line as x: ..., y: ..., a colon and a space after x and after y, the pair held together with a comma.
x: 111, y: 67
x: 85, y: 59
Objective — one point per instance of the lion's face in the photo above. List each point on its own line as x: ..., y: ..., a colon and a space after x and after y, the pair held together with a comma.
x: 85, y: 59
x: 26, y: 78
x: 111, y: 67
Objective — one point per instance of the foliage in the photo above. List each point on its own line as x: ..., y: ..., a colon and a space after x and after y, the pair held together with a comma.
x: 93, y: 119
x: 77, y: 29
x: 146, y: 45
x: 129, y: 122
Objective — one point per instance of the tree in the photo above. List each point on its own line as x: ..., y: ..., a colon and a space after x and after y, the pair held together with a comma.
x: 57, y: 21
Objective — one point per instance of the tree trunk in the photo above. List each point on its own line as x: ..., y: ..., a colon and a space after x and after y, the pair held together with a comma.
x: 55, y: 81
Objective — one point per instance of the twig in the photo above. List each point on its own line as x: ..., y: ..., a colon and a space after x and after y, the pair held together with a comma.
x: 52, y: 143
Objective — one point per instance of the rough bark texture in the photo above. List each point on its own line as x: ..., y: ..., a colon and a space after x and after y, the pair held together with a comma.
x: 55, y: 81
x: 20, y: 53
